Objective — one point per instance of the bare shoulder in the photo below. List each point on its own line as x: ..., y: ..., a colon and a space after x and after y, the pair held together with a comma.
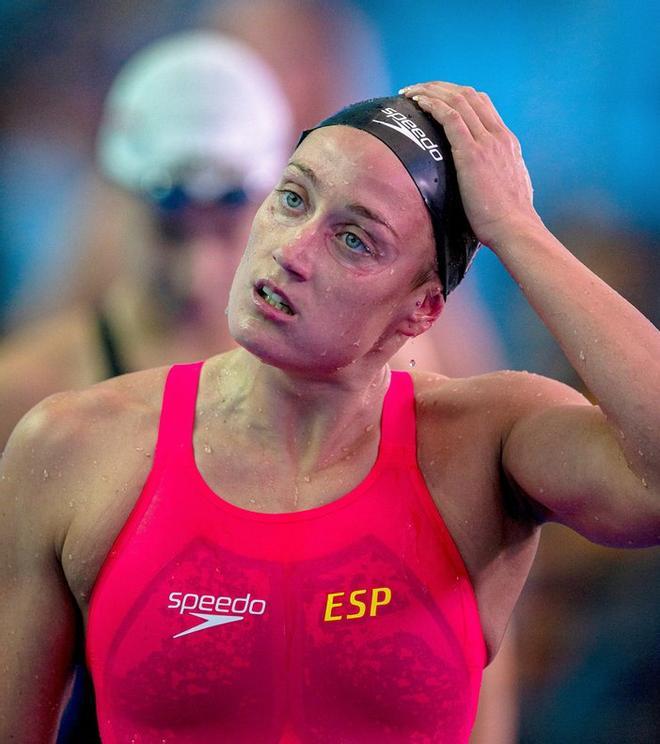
x: 44, y: 357
x: 499, y: 397
x: 63, y: 445
x: 462, y: 427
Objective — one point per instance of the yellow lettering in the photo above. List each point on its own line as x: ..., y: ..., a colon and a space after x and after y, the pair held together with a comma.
x: 362, y: 607
x: 375, y: 602
x: 330, y: 605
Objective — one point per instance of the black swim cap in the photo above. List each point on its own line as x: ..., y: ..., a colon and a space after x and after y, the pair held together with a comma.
x: 422, y: 146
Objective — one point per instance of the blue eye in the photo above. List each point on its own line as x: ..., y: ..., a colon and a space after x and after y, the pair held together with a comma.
x: 352, y: 241
x: 290, y: 199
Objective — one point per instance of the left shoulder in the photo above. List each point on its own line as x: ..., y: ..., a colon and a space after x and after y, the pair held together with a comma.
x: 506, y: 394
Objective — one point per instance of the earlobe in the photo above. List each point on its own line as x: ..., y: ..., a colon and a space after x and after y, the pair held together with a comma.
x: 428, y: 307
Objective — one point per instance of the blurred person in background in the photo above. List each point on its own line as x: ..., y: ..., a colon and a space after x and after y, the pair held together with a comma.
x: 192, y: 130
x: 57, y: 62
x: 194, y: 133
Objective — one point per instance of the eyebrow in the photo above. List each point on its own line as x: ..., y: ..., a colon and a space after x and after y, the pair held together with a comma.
x: 355, y: 208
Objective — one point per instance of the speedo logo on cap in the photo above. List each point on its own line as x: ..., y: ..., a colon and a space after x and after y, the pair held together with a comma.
x: 401, y: 123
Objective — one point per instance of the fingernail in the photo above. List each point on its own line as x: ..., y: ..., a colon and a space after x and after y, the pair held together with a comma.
x: 403, y: 90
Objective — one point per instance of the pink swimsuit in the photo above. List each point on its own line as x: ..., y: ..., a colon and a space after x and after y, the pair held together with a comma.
x: 350, y: 622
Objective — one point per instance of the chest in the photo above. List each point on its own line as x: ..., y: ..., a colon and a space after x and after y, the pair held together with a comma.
x: 331, y: 621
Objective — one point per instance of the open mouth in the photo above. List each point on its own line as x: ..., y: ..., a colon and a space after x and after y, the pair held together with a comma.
x: 274, y: 299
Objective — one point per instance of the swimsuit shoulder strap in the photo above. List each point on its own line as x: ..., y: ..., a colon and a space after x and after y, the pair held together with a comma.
x: 398, y: 424
x: 177, y: 416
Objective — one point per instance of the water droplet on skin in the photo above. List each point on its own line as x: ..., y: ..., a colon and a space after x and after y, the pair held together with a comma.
x: 306, y: 478
x: 45, y: 474
x: 582, y: 356
x: 356, y: 342
x: 645, y: 483
x: 207, y: 449
x: 412, y: 362
x: 369, y: 428
x: 252, y: 501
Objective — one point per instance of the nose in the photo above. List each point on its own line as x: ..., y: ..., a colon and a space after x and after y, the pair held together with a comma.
x: 295, y: 254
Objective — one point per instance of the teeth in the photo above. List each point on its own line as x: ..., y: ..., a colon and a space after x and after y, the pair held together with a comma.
x: 273, y: 295
x: 272, y: 298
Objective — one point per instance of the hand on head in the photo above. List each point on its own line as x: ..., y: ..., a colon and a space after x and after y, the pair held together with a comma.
x: 495, y: 186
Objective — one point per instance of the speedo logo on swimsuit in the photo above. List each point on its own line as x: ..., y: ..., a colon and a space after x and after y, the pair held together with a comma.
x: 401, y: 123
x: 214, y: 610
x: 337, y: 604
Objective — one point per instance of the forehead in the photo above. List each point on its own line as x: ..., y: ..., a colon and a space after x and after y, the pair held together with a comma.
x: 357, y: 166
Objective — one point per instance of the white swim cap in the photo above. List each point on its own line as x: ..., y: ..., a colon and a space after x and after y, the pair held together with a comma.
x: 197, y: 109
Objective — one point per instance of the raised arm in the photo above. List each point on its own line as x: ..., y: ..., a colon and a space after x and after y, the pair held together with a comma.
x: 594, y: 468
x: 37, y: 611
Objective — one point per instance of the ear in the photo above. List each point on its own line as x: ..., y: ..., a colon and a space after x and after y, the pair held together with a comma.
x: 427, y: 304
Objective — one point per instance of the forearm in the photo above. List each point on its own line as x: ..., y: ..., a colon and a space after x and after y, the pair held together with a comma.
x: 611, y: 345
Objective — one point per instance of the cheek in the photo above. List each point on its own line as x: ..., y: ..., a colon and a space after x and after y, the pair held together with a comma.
x: 361, y: 313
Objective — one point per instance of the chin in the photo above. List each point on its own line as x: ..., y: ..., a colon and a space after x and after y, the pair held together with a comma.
x: 282, y: 355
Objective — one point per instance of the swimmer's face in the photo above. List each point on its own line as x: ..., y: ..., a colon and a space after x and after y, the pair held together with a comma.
x: 343, y: 241
x: 197, y: 248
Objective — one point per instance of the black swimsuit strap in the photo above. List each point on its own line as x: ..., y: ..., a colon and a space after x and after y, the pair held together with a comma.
x: 114, y: 363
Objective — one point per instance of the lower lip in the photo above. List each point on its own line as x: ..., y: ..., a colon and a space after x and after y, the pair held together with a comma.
x: 268, y: 310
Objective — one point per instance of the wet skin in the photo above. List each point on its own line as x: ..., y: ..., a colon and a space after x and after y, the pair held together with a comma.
x: 348, y: 276
x: 301, y: 401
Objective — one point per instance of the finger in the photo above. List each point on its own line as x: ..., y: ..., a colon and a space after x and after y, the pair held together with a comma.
x: 488, y: 114
x: 480, y: 102
x: 457, y: 131
x: 456, y: 100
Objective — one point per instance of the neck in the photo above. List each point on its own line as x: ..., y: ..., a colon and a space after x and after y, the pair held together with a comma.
x: 313, y: 421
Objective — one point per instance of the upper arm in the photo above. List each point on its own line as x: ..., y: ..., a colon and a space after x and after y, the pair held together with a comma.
x: 562, y: 454
x: 37, y: 611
